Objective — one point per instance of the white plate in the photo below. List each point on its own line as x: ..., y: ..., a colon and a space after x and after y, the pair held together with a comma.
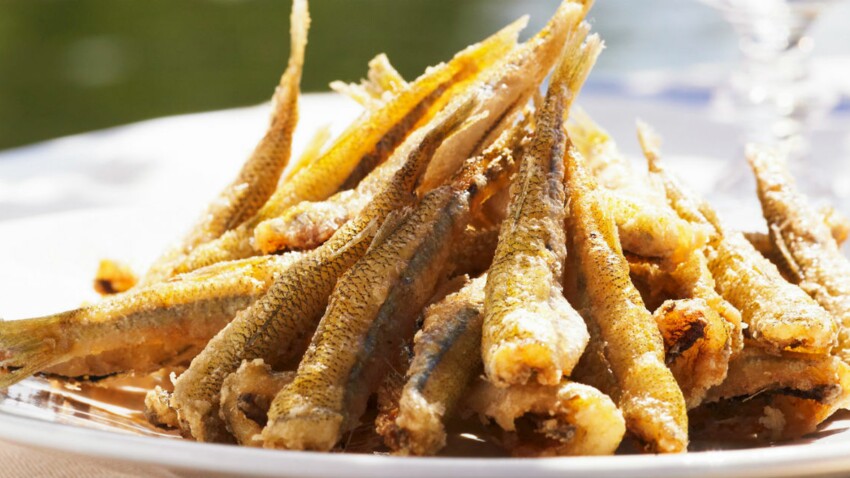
x: 48, y: 260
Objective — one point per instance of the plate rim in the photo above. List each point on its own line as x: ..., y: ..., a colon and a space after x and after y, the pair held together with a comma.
x: 792, y: 460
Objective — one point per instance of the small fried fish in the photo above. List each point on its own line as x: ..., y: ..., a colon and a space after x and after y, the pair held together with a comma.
x: 530, y: 330
x: 371, y: 313
x: 810, y: 252
x: 278, y: 326
x: 628, y: 337
x: 164, y: 319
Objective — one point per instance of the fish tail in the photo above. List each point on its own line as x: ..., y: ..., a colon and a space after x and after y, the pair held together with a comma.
x: 30, y: 346
x: 585, y: 133
x: 580, y: 54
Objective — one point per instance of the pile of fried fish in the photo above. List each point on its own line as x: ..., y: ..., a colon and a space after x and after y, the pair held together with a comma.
x: 470, y: 249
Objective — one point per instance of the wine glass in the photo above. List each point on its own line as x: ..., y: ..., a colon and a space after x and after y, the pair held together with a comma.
x: 772, y: 93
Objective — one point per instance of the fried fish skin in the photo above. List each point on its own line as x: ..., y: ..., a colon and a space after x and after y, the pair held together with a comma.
x: 697, y: 341
x: 372, y: 311
x: 813, y: 259
x: 530, y: 330
x: 258, y: 178
x: 368, y: 141
x: 246, y: 395
x: 648, y: 394
x: 446, y: 358
x: 278, y: 326
x: 653, y: 230
x: 571, y: 418
x: 779, y: 315
x: 162, y: 319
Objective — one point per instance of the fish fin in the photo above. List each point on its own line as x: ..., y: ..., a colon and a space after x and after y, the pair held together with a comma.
x: 30, y: 346
x: 394, y: 219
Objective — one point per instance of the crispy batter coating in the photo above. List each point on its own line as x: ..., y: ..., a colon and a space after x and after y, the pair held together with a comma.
x: 372, y: 312
x: 695, y: 281
x: 697, y: 343
x: 806, y: 243
x: 113, y: 277
x: 366, y: 143
x: 473, y: 251
x: 779, y: 315
x: 258, y: 178
x: 530, y: 330
x: 308, y: 224
x: 646, y: 224
x: 651, y: 229
x: 246, y: 395
x: 447, y: 356
x: 629, y: 339
x: 839, y: 227
x: 278, y: 325
x: 568, y: 419
x: 140, y: 330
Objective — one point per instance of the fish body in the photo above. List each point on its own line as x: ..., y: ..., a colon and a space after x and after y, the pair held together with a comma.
x: 278, y: 326
x: 140, y: 330
x: 503, y: 88
x: 530, y: 330
x: 446, y: 358
x: 372, y: 311
x: 631, y: 344
x: 808, y: 246
x: 570, y: 419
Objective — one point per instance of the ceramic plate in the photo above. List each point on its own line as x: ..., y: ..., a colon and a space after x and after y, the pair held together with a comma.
x: 156, y: 175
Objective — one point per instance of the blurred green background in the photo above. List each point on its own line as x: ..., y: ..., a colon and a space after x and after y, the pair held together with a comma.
x: 68, y: 66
